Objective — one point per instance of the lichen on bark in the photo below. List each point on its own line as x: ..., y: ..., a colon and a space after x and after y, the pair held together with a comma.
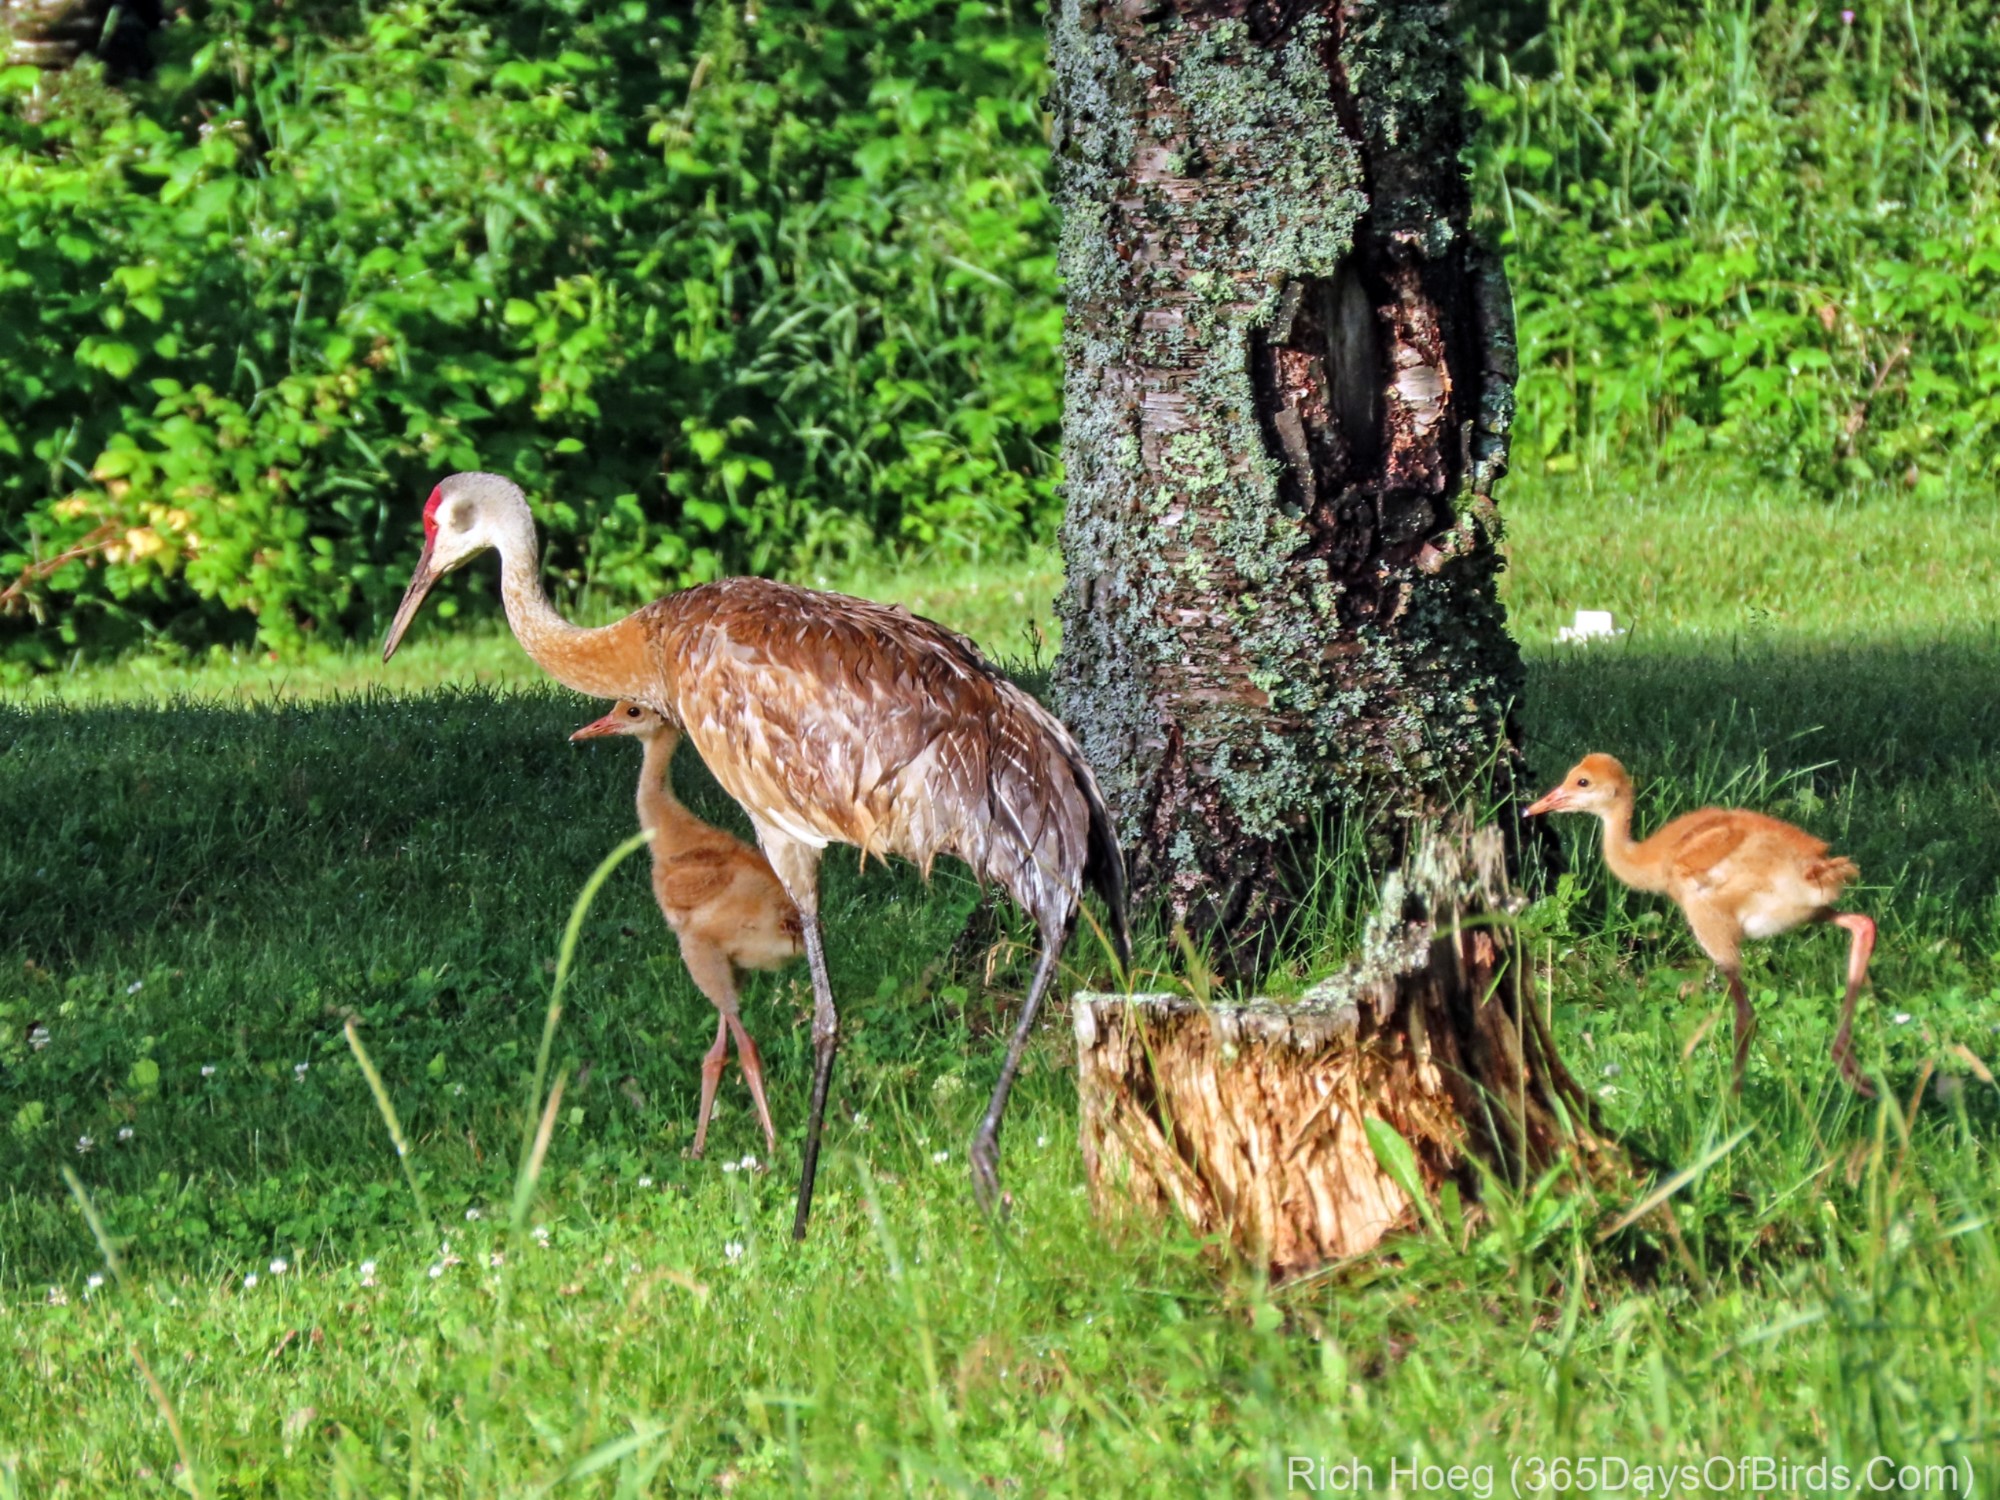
x: 1288, y: 383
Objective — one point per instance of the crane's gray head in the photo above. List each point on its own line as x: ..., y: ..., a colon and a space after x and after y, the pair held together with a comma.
x: 465, y: 515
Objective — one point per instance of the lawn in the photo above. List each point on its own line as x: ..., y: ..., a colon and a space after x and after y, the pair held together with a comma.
x: 207, y: 869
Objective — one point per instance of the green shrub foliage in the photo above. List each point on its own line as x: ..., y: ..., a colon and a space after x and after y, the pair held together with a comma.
x: 739, y: 286
x: 724, y: 286
x: 1771, y: 230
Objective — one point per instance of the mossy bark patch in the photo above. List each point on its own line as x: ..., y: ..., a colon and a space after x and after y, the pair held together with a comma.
x: 1288, y: 385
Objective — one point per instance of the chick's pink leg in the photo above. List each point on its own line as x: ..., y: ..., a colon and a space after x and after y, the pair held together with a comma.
x: 711, y: 1074
x: 753, y: 1074
x: 1722, y: 940
x: 1859, y: 950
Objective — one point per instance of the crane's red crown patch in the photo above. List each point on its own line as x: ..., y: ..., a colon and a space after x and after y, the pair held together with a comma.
x: 430, y: 514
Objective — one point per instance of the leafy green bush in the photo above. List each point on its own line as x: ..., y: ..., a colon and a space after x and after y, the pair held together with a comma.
x: 741, y: 285
x: 722, y: 288
x: 1768, y: 230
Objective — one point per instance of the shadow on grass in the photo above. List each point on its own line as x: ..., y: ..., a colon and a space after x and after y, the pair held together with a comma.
x: 1892, y: 752
x: 201, y: 887
x: 193, y: 899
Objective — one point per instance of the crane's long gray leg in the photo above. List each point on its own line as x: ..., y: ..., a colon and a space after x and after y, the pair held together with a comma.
x: 796, y: 865
x: 826, y: 1039
x: 986, y: 1140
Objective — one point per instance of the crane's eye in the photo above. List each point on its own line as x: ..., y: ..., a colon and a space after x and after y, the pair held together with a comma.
x: 632, y: 713
x: 1583, y: 781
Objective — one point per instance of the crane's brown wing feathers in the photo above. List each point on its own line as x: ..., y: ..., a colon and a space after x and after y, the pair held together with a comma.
x: 839, y: 720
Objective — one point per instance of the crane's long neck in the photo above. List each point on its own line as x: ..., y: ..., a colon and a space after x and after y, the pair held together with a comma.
x: 660, y: 811
x: 608, y: 661
x: 1629, y: 860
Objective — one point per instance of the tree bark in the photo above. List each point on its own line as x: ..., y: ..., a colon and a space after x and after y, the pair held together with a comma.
x: 52, y: 33
x: 1288, y: 388
x: 1250, y: 1120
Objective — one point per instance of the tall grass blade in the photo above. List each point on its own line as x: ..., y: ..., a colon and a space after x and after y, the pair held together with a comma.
x: 565, y: 958
x: 1675, y: 1183
x: 388, y: 1109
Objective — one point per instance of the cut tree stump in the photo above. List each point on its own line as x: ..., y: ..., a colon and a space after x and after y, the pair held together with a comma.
x: 1248, y: 1119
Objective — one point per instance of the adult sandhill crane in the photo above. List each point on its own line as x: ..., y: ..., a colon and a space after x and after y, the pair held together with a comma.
x: 1735, y: 875
x: 719, y: 896
x: 830, y: 720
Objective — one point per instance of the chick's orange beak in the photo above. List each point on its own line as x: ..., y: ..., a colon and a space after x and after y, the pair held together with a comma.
x: 413, y: 600
x: 597, y: 729
x: 1555, y: 801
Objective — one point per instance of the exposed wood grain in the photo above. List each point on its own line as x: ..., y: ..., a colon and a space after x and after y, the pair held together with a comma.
x: 1248, y: 1120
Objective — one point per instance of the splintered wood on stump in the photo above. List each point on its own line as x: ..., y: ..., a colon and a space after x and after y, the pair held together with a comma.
x: 1249, y: 1119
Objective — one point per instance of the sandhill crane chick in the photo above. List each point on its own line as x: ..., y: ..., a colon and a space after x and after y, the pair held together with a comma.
x: 831, y: 720
x: 1735, y: 875
x: 719, y: 896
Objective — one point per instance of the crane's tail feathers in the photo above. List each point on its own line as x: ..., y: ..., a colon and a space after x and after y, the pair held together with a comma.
x: 1104, y: 867
x: 1832, y: 874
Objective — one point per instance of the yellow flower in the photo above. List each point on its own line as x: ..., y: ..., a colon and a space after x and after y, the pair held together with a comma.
x: 142, y: 542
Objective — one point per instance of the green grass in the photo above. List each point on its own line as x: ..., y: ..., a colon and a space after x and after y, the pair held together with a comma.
x: 221, y: 883
x: 998, y: 604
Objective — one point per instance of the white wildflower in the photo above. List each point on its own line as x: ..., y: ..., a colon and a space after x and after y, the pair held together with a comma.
x: 1901, y: 1018
x: 249, y: 1280
x: 474, y: 1213
x: 208, y: 1070
x: 39, y: 1037
x: 135, y: 986
x: 58, y: 1297
x: 125, y: 1133
x: 1589, y: 624
x: 733, y: 1250
x: 299, y: 1072
x: 85, y: 1145
x: 368, y: 1273
x: 93, y: 1281
x: 748, y: 1164
x: 436, y: 1270
x: 729, y: 1166
x: 280, y: 1266
x: 1041, y: 1140
x: 645, y: 1182
x: 940, y: 1157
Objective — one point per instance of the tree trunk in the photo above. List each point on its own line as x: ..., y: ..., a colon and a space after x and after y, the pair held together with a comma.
x: 1250, y: 1120
x: 52, y: 33
x: 1289, y: 382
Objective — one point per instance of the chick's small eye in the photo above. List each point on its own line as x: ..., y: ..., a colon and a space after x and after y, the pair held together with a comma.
x: 1583, y: 781
x: 631, y: 713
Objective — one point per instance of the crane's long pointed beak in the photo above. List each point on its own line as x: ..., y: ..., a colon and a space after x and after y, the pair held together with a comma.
x: 413, y: 600
x: 1555, y: 801
x: 597, y: 729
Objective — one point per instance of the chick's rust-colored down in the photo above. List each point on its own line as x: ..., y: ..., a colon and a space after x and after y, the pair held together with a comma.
x: 719, y: 896
x: 831, y: 720
x: 1734, y: 874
